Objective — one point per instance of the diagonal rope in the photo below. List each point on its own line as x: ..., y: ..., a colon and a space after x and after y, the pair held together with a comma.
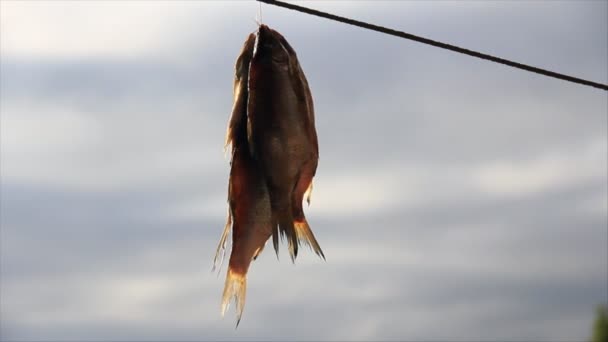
x: 435, y: 43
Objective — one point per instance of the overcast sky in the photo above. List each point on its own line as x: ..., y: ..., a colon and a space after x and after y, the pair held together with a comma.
x: 455, y: 199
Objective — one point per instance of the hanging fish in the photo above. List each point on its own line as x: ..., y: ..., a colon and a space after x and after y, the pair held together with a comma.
x: 274, y: 157
x: 249, y: 215
x: 282, y: 136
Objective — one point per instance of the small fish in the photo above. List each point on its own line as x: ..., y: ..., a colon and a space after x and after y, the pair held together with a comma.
x: 275, y: 153
x: 249, y: 215
x: 282, y: 135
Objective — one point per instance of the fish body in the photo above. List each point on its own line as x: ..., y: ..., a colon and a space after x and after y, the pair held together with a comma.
x: 251, y: 224
x: 281, y: 134
x: 250, y: 214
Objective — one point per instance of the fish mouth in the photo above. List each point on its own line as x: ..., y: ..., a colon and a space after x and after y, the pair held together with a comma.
x: 269, y: 47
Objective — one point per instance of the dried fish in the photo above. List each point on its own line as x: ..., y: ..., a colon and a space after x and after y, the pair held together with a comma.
x: 282, y: 135
x: 274, y: 156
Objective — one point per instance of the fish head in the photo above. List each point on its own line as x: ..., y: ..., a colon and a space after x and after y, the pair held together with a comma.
x: 242, y: 62
x: 277, y: 85
x: 271, y: 49
x: 238, y: 121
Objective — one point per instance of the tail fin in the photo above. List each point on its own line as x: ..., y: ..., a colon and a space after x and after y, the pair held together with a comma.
x: 305, y: 235
x: 288, y: 230
x: 235, y: 287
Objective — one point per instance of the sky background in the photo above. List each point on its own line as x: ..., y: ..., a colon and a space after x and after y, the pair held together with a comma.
x: 455, y: 199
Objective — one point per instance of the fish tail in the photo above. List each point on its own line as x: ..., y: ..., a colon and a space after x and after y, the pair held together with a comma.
x: 235, y: 287
x: 305, y: 235
x: 287, y: 229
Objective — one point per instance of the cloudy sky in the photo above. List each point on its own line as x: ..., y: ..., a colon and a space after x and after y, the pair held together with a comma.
x: 455, y: 199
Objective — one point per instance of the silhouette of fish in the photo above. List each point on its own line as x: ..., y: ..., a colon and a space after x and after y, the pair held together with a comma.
x: 274, y: 156
x: 249, y: 215
x: 282, y: 135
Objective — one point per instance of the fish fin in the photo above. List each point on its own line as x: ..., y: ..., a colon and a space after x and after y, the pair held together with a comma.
x: 287, y: 230
x: 220, y: 253
x: 308, y: 194
x: 305, y: 235
x: 257, y: 252
x: 235, y: 123
x: 275, y: 238
x: 235, y: 287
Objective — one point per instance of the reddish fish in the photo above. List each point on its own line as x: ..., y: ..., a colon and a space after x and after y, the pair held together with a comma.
x: 249, y: 215
x: 282, y: 136
x: 274, y: 157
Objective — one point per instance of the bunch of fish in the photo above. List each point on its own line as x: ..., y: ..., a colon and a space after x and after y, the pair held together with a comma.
x: 273, y: 141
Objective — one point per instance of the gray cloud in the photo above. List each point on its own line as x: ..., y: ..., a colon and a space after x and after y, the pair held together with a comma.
x: 455, y: 199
